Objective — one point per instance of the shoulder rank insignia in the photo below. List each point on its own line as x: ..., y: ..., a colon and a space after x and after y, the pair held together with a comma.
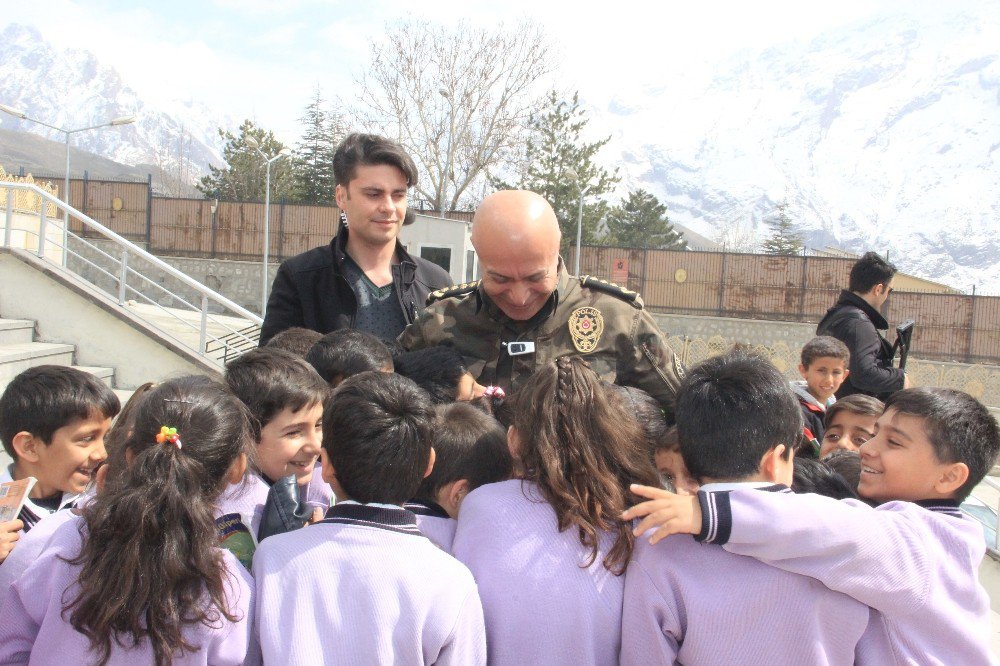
x: 585, y: 328
x: 590, y: 282
x: 454, y: 290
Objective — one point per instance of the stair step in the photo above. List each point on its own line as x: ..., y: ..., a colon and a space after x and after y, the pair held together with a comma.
x: 106, y: 375
x: 16, y: 358
x: 15, y: 331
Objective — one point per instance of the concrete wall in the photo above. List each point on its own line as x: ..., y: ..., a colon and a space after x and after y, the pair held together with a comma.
x: 102, y: 333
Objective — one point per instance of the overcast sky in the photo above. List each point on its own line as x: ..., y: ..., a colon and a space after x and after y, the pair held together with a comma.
x: 263, y: 58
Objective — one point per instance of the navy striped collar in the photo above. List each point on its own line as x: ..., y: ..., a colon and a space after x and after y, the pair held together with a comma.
x: 946, y: 506
x: 395, y: 520
x: 426, y: 508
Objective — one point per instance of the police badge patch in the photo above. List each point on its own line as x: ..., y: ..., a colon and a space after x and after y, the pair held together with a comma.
x: 585, y: 327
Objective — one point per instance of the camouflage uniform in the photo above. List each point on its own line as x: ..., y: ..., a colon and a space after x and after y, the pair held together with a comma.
x: 599, y: 320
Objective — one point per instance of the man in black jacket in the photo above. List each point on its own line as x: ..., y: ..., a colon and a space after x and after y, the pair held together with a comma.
x: 364, y: 278
x: 855, y: 320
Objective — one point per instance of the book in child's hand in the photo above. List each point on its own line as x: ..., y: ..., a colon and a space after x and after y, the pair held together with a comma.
x: 13, y: 495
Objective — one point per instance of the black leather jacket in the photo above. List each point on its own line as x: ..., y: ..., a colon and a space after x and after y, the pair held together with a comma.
x: 856, y: 323
x: 310, y: 289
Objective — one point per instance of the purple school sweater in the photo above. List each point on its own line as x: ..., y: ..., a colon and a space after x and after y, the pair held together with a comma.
x: 434, y: 523
x: 695, y: 603
x: 246, y: 499
x: 29, y: 547
x: 914, y: 564
x: 34, y: 628
x: 541, y: 605
x: 364, y: 586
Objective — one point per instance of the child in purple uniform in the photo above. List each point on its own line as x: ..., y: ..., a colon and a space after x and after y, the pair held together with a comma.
x: 286, y: 397
x: 737, y: 424
x: 470, y: 450
x: 913, y: 559
x: 547, y: 550
x: 137, y: 577
x: 364, y: 586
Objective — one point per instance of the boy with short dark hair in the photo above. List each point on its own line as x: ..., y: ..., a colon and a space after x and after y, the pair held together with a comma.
x: 53, y: 420
x: 364, y: 586
x: 346, y: 352
x: 296, y: 340
x: 441, y: 372
x: 737, y: 424
x: 470, y: 450
x: 849, y: 423
x: 823, y: 368
x: 913, y: 559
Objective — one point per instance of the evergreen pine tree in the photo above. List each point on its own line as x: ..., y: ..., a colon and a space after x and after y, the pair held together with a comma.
x: 555, y: 147
x: 243, y: 177
x: 785, y: 239
x: 313, y: 164
x: 641, y: 221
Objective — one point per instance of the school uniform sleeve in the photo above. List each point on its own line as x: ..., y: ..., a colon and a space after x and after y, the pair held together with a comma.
x: 24, y: 608
x: 650, y: 627
x: 233, y: 643
x: 467, y: 643
x: 886, y: 558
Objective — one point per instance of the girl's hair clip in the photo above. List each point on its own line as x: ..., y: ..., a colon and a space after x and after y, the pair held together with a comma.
x: 495, y: 392
x: 168, y: 436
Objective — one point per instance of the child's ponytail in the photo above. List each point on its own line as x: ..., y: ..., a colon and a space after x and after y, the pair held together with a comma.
x: 149, y: 563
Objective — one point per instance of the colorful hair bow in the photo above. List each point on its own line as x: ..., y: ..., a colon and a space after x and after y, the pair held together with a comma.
x: 495, y: 392
x: 168, y: 436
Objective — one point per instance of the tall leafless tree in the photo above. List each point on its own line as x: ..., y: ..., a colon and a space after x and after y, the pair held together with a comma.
x: 457, y: 98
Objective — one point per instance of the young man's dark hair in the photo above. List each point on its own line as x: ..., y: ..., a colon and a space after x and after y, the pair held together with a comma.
x: 296, y: 340
x: 868, y: 271
x: 815, y: 476
x: 346, y: 352
x: 436, y: 369
x: 377, y: 436
x: 959, y: 427
x: 43, y: 399
x: 269, y: 380
x: 469, y: 444
x: 731, y: 410
x: 825, y: 346
x: 370, y: 150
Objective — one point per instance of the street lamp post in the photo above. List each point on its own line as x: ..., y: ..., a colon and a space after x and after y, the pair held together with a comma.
x: 284, y: 152
x: 575, y: 177
x: 17, y: 113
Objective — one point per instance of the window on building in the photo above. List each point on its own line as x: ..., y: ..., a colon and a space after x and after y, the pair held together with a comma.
x: 438, y: 255
x: 470, y: 265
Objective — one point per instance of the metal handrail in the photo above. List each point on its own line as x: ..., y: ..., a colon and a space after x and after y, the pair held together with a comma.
x: 233, y: 341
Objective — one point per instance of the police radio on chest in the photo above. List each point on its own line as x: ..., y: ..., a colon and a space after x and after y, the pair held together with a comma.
x: 520, y: 348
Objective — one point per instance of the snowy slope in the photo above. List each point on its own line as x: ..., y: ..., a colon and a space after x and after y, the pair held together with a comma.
x: 883, y: 135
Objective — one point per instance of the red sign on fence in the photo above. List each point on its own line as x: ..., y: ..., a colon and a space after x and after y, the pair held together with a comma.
x: 619, y: 271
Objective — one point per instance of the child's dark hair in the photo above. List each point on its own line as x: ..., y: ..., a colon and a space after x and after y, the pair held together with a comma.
x: 825, y: 346
x: 377, y: 435
x: 150, y: 565
x: 815, y: 476
x: 296, y: 340
x: 123, y: 424
x: 646, y: 411
x: 868, y: 271
x: 583, y: 449
x: 468, y: 445
x: 270, y: 380
x: 46, y: 398
x: 847, y: 463
x: 497, y: 403
x: 731, y: 410
x: 346, y: 352
x: 856, y: 403
x: 958, y: 426
x: 436, y: 370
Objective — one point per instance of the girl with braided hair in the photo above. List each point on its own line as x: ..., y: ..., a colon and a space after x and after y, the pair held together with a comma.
x: 137, y: 576
x: 547, y: 550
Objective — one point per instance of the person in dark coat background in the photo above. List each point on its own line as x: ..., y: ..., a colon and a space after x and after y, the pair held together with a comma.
x: 855, y: 320
x: 364, y: 278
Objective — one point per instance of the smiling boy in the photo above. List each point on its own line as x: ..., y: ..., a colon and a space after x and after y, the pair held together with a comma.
x: 823, y: 369
x: 912, y: 560
x: 53, y: 420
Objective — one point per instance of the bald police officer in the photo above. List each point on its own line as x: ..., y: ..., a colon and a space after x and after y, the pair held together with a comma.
x: 527, y: 310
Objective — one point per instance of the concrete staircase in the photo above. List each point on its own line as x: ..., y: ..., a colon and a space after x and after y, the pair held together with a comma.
x: 19, y: 351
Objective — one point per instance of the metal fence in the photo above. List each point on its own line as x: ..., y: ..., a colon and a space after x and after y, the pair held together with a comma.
x: 950, y: 327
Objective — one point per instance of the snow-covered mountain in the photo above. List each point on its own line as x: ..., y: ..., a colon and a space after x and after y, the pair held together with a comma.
x: 70, y: 88
x: 881, y: 135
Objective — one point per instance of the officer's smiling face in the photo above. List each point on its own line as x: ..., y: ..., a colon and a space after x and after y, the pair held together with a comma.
x: 519, y: 288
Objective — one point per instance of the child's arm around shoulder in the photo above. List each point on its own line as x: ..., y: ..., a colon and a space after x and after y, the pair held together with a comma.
x: 885, y: 558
